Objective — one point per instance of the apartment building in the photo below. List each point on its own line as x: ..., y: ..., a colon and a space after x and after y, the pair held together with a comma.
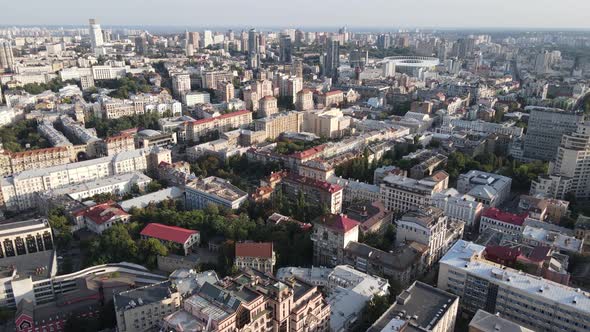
x: 488, y: 188
x: 530, y: 301
x: 18, y: 191
x: 304, y: 100
x: 546, y: 126
x: 420, y: 307
x: 252, y: 301
x: 402, y: 194
x: 331, y: 98
x: 458, y: 206
x: 196, y: 97
x: 213, y: 190
x: 257, y: 256
x: 278, y: 123
x: 143, y: 308
x: 119, y: 184
x: 54, y: 136
x: 226, y: 122
x: 570, y: 168
x: 430, y: 227
x: 268, y: 106
x: 506, y: 222
x: 181, y: 84
x: 484, y: 321
x: 315, y: 192
x: 330, y: 123
x: 331, y: 235
x: 116, y: 144
x: 16, y: 162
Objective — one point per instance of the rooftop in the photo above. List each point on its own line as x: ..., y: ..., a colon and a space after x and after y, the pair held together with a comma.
x: 253, y: 249
x: 424, y: 303
x: 143, y: 295
x: 505, y: 217
x: 168, y: 233
x: 486, y: 322
x: 338, y: 222
x: 467, y: 256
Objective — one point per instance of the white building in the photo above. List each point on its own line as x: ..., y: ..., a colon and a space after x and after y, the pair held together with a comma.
x: 533, y: 302
x: 213, y: 190
x: 401, y: 194
x: 487, y: 188
x: 196, y: 97
x: 458, y: 206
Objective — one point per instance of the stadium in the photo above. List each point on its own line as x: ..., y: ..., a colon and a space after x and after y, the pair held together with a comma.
x: 412, y: 65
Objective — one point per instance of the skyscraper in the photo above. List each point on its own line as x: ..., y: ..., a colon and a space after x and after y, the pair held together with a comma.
x: 96, y: 39
x: 332, y: 61
x: 253, y: 46
x: 286, y: 48
x: 383, y: 41
x: 207, y: 38
x: 6, y: 56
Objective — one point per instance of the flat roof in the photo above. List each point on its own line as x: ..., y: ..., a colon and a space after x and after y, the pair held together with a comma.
x: 463, y: 255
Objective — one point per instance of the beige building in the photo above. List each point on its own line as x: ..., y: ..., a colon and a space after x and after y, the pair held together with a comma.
x: 257, y: 256
x: 402, y: 194
x: 226, y: 122
x: 329, y: 123
x: 225, y: 91
x: 253, y: 301
x: 16, y: 162
x: 331, y: 235
x: 25, y: 237
x: 117, y: 144
x: 331, y: 98
x: 181, y: 84
x: 143, y: 308
x: 268, y: 106
x: 304, y: 100
x: 279, y: 123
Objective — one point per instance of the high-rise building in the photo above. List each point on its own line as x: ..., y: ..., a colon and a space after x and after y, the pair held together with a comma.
x: 570, y: 171
x: 542, y: 62
x: 332, y: 60
x: 96, y: 38
x: 384, y: 41
x: 253, y: 49
x: 207, y: 38
x: 141, y: 44
x: 6, y: 56
x: 181, y: 83
x: 194, y: 38
x: 545, y: 129
x: 286, y: 48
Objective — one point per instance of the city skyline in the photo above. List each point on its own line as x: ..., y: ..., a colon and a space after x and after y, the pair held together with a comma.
x: 525, y: 14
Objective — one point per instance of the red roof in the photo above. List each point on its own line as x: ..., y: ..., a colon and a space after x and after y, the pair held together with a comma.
x: 168, y: 233
x: 322, y: 185
x: 309, y: 152
x: 339, y: 222
x: 102, y: 213
x: 223, y: 116
x: 253, y: 249
x: 501, y: 254
x: 332, y: 93
x: 505, y: 217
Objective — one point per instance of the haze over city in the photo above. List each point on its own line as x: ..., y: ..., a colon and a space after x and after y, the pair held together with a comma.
x: 545, y: 14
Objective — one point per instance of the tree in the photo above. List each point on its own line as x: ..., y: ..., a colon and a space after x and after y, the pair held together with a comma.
x: 149, y: 250
x: 153, y: 186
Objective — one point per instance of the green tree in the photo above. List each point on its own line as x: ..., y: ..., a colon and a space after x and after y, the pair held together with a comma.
x: 149, y: 250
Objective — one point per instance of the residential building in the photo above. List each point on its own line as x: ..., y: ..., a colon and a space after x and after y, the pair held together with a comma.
x: 330, y: 123
x: 354, y: 191
x: 181, y: 84
x: 257, y: 256
x: 118, y: 185
x: 546, y: 126
x: 536, y: 236
x: 420, y: 307
x: 569, y: 171
x: 315, y: 192
x: 143, y: 308
x: 483, y: 321
x: 331, y: 235
x: 506, y: 222
x: 533, y: 302
x: 225, y: 91
x: 220, y: 124
x: 116, y: 144
x: 16, y: 162
x: 304, y: 100
x: 252, y: 301
x: 403, y: 264
x: 372, y: 216
x: 268, y: 106
x: 331, y: 98
x: 431, y: 228
x: 401, y: 194
x: 488, y: 188
x: 278, y: 123
x: 196, y: 97
x: 100, y: 217
x: 458, y: 206
x: 182, y: 238
x: 213, y: 190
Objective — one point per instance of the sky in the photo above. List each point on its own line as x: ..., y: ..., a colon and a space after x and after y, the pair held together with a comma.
x: 547, y: 14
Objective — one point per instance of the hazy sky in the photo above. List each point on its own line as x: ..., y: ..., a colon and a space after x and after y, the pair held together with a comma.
x: 302, y: 13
